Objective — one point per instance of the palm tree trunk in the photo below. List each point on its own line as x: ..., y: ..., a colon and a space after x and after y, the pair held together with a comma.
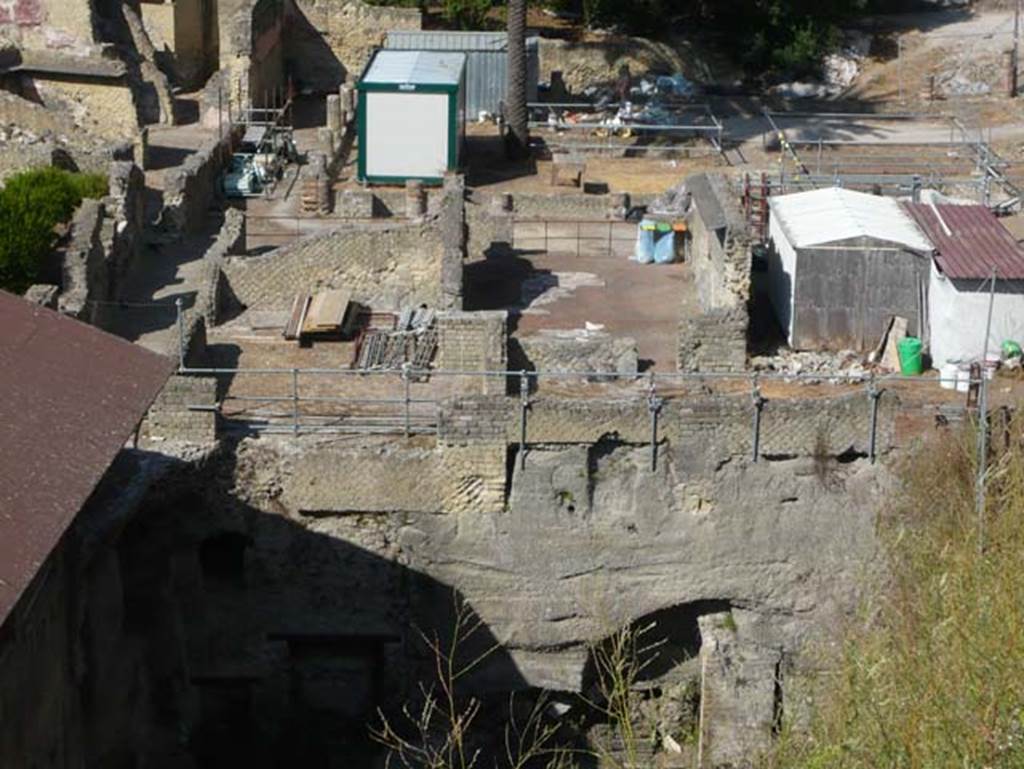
x: 515, y: 99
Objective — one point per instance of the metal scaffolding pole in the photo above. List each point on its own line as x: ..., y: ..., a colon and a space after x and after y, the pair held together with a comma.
x: 983, y: 424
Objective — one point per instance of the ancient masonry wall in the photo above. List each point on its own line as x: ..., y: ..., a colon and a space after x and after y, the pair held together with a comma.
x: 720, y: 261
x: 214, y: 294
x: 106, y: 109
x: 31, y: 135
x: 105, y: 240
x: 738, y: 697
x: 474, y: 341
x: 467, y: 469
x: 385, y: 268
x: 58, y: 24
x: 252, y: 51
x: 193, y: 187
x: 330, y: 41
x: 573, y: 351
x: 182, y: 413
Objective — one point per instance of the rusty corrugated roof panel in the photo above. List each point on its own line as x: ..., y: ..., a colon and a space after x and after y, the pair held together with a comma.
x: 70, y: 397
x: 976, y: 242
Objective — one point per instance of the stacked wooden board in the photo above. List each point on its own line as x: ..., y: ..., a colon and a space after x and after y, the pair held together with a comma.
x: 322, y: 313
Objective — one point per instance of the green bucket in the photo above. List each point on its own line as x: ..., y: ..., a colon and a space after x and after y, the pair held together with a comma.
x: 909, y: 349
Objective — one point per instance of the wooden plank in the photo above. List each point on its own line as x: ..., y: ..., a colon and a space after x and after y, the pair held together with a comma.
x: 327, y: 311
x: 335, y: 306
x: 294, y: 325
x: 309, y: 325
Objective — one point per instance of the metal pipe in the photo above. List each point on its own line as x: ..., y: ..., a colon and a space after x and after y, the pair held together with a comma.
x: 874, y: 394
x: 406, y: 382
x: 181, y: 335
x: 654, y: 404
x: 983, y: 422
x: 295, y: 401
x: 758, y: 401
x: 524, y: 405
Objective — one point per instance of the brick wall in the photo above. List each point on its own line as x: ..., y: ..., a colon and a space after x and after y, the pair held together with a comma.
x: 385, y: 267
x: 474, y: 341
x: 714, y: 342
x: 170, y: 419
x: 335, y: 478
x: 714, y: 430
x: 719, y: 259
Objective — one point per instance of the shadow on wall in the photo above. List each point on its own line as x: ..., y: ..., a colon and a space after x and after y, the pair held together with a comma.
x: 312, y: 65
x: 273, y: 640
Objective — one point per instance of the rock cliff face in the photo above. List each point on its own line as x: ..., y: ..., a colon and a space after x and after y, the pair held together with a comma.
x: 274, y: 621
x: 592, y: 540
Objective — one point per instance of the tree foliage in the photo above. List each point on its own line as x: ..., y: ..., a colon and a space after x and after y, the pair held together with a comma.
x: 32, y: 204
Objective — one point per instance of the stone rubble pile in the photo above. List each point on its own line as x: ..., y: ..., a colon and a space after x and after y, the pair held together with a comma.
x: 832, y: 366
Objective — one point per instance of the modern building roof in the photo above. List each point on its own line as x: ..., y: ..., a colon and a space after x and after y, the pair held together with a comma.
x: 834, y: 214
x: 969, y: 241
x: 416, y: 68
x: 70, y: 396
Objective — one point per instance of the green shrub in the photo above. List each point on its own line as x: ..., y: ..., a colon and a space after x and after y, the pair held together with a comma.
x: 467, y: 14
x: 31, y: 204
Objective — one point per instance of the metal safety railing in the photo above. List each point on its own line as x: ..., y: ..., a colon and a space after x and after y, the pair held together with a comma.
x: 574, y: 236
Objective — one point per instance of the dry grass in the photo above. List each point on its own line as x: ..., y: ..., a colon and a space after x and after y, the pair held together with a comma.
x: 933, y: 678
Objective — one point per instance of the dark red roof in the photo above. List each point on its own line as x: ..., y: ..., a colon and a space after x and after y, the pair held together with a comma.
x: 977, y: 244
x: 70, y: 397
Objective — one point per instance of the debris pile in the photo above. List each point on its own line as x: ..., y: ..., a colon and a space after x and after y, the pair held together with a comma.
x: 411, y: 339
x: 654, y: 100
x: 839, y: 71
x: 831, y: 366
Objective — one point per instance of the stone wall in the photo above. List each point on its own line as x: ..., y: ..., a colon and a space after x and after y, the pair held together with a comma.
x: 720, y: 429
x: 85, y: 275
x: 715, y: 341
x: 719, y: 257
x: 174, y: 416
x: 330, y: 41
x: 573, y: 351
x: 31, y: 135
x: 194, y: 186
x: 55, y: 24
x: 213, y: 295
x: 385, y: 267
x: 104, y: 241
x: 739, y: 696
x: 103, y: 108
x: 474, y: 341
x: 252, y: 50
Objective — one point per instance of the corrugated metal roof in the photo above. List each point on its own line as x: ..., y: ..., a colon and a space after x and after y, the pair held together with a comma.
x: 445, y: 40
x: 486, y: 62
x: 70, y: 396
x: 819, y: 217
x: 976, y: 241
x: 416, y: 67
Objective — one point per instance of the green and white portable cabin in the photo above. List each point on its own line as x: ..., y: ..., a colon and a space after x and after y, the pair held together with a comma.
x: 412, y: 116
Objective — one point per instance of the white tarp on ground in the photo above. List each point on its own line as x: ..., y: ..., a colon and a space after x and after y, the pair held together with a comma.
x: 958, y: 312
